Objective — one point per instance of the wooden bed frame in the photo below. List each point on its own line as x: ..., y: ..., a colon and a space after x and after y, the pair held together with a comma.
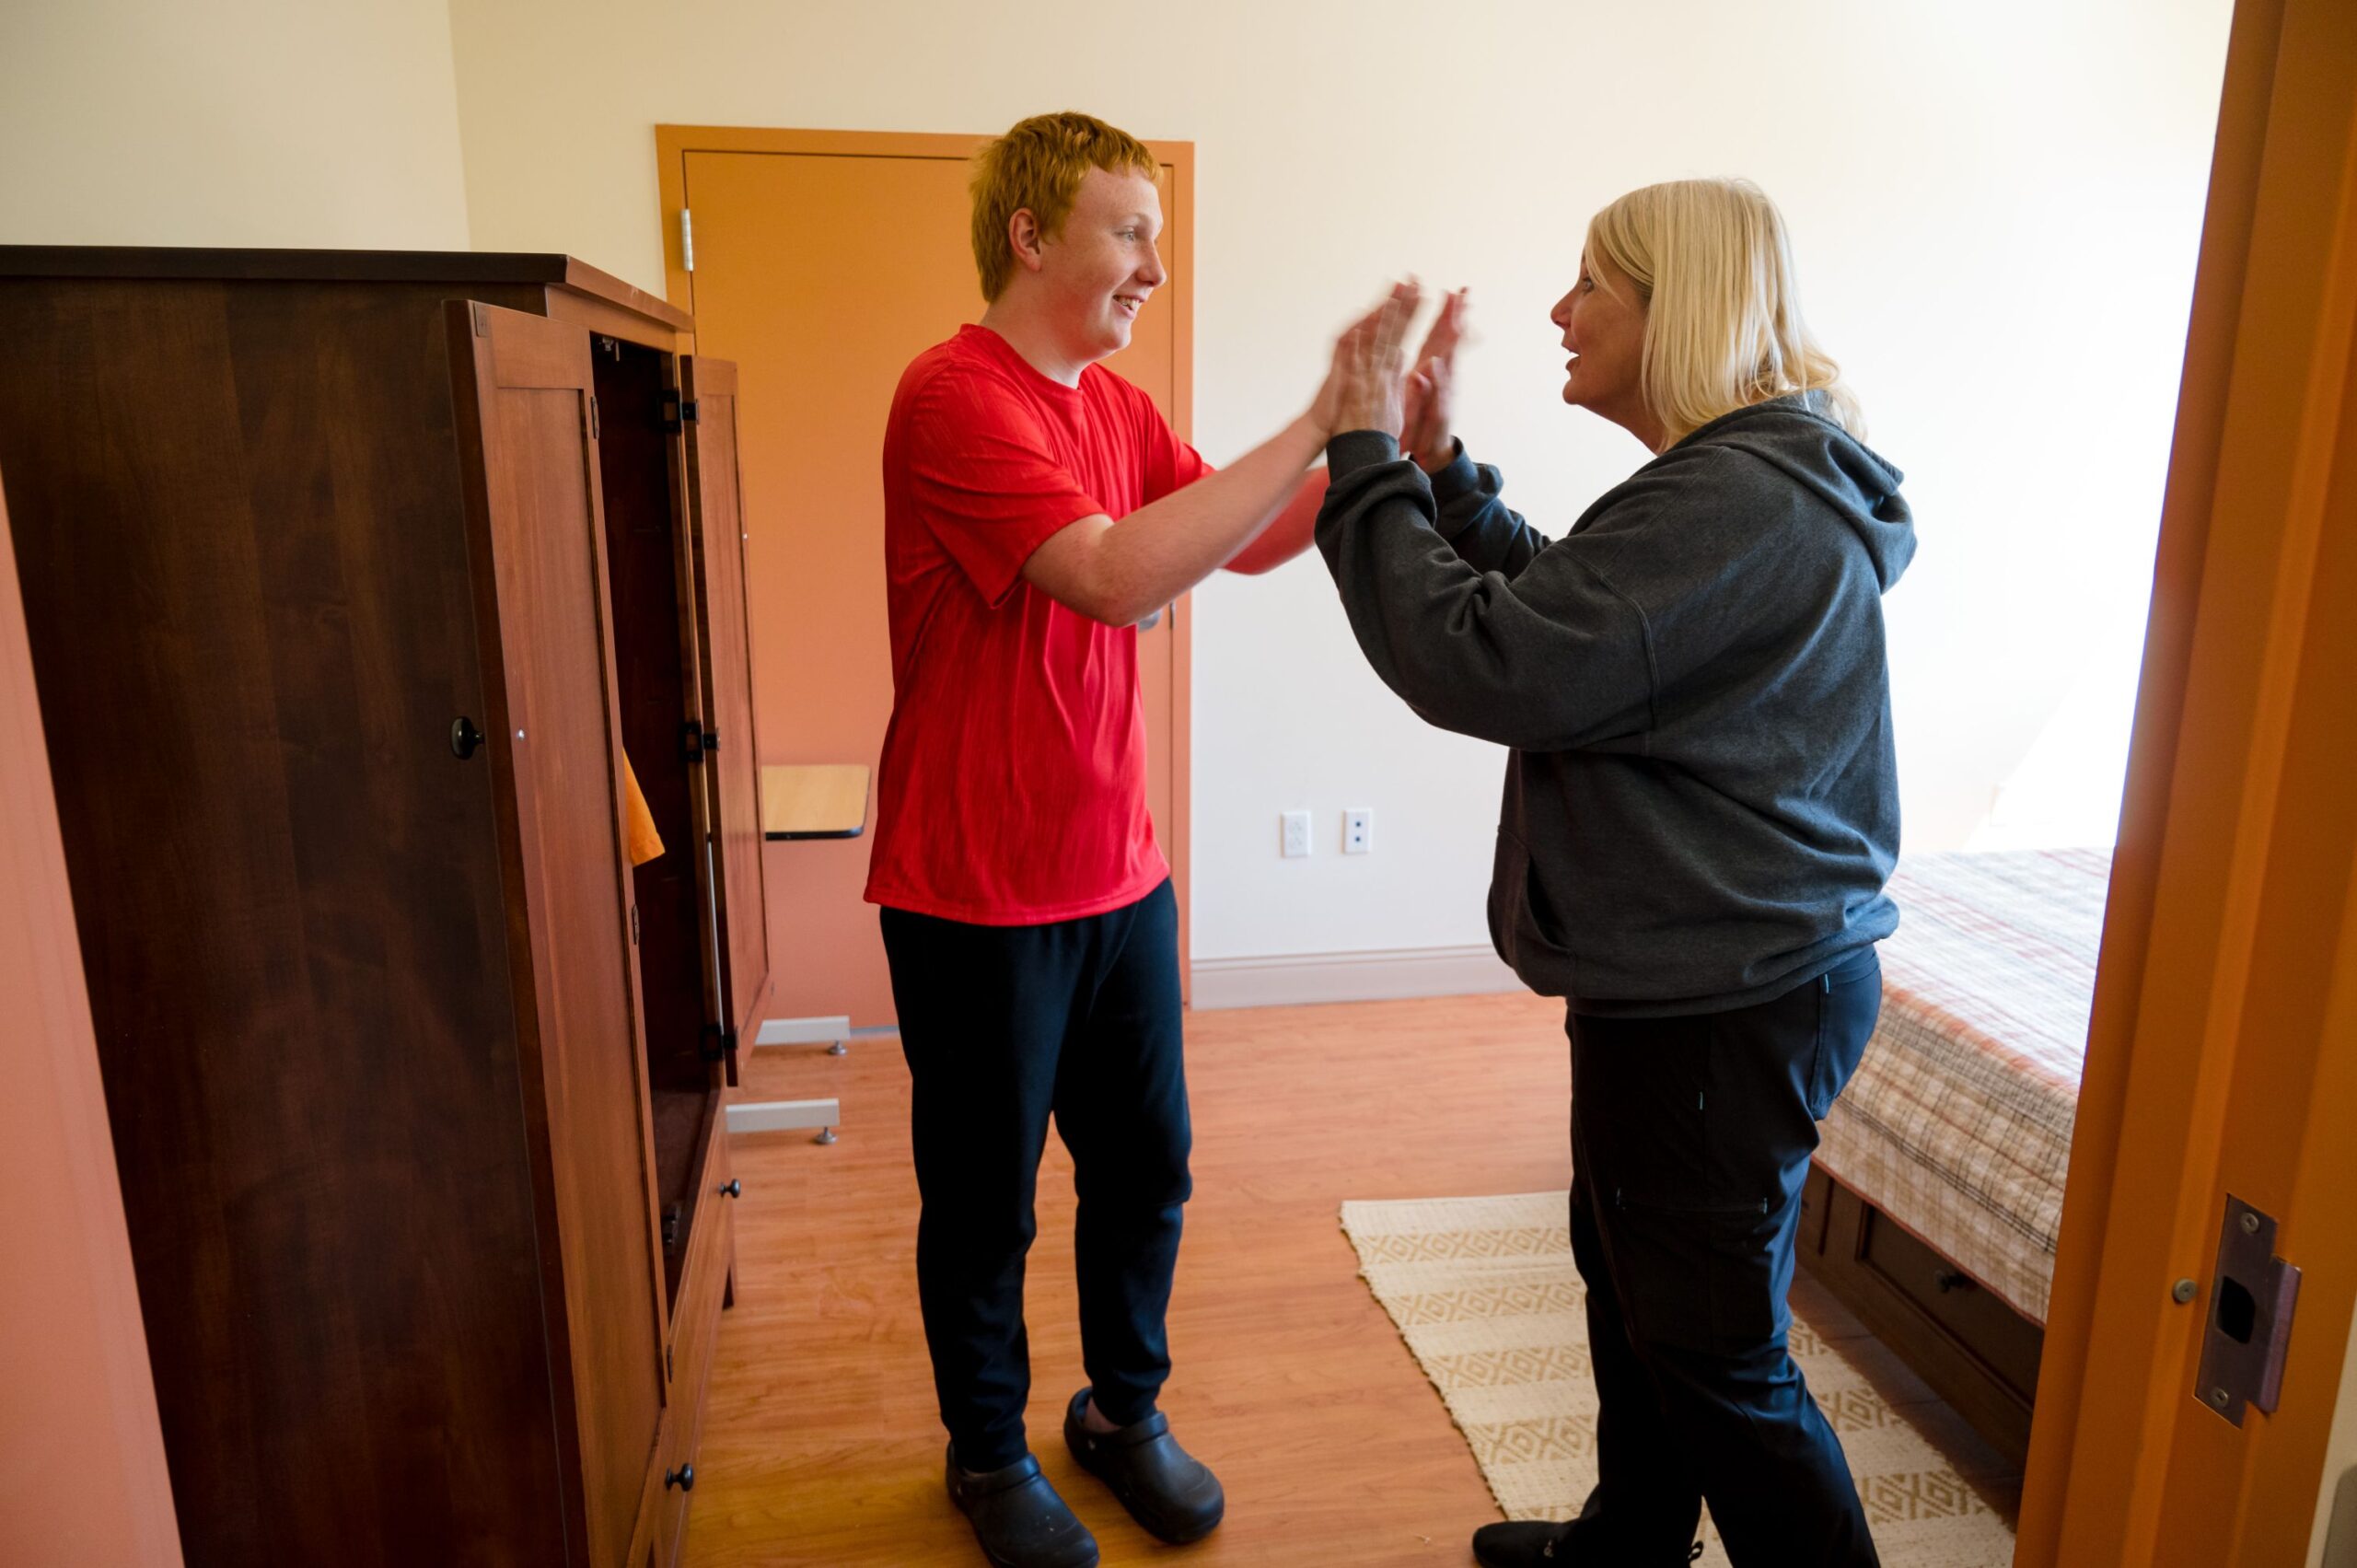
x: 1976, y: 1351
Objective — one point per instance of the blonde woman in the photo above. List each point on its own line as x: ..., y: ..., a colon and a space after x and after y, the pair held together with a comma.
x: 1701, y: 810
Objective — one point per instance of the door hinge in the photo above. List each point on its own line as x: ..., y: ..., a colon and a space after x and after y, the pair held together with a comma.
x: 711, y: 740
x: 592, y: 416
x: 719, y: 1042
x: 2252, y: 1294
x: 691, y: 741
x: 687, y: 241
x: 666, y: 410
x: 634, y: 925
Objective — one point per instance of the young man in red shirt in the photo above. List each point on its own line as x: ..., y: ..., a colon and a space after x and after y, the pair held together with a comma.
x: 1037, y: 507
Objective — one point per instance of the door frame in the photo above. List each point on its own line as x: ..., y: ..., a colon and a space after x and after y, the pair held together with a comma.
x: 672, y: 145
x: 2230, y: 944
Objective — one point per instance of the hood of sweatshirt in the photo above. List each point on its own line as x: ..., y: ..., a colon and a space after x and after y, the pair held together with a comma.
x: 1797, y: 437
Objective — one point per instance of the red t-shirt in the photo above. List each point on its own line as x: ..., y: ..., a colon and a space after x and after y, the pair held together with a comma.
x: 1012, y: 787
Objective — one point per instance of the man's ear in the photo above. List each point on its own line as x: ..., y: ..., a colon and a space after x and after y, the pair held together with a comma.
x: 1023, y: 235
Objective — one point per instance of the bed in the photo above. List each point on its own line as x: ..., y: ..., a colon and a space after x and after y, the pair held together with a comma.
x: 1934, y: 1209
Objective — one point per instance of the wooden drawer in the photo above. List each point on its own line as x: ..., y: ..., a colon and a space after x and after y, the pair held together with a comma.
x: 696, y: 1330
x: 1974, y: 1351
x: 2009, y: 1344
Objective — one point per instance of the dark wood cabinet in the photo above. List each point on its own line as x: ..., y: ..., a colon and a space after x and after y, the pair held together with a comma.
x: 354, y: 583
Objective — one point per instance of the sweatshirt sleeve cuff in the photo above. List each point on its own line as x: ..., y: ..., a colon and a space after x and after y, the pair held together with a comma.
x: 1355, y: 449
x: 1459, y: 478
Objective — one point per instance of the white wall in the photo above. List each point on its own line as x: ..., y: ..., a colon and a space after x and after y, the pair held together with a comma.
x: 229, y: 122
x: 1997, y: 209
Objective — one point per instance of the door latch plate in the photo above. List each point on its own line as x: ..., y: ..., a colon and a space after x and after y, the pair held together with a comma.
x: 2252, y: 1295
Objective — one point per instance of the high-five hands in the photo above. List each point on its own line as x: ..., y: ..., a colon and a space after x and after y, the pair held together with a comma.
x: 1372, y: 386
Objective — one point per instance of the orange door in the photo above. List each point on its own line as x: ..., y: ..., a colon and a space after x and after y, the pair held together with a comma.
x: 2186, y: 1403
x: 824, y: 262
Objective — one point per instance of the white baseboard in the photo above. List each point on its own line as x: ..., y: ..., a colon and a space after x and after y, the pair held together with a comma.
x: 803, y: 1031
x: 1290, y: 978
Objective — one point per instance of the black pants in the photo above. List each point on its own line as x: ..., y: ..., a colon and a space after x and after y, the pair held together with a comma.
x: 1690, y: 1140
x: 1001, y: 1025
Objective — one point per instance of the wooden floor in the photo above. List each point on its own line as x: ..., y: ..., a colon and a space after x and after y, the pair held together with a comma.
x: 821, y: 1446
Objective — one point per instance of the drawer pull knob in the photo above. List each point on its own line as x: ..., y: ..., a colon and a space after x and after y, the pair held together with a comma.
x: 684, y: 1478
x: 735, y: 1189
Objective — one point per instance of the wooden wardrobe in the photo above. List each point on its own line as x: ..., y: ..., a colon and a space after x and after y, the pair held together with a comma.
x: 351, y: 580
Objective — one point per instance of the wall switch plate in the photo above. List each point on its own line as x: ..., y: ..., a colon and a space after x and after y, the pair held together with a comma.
x: 1295, y: 840
x: 1358, y: 830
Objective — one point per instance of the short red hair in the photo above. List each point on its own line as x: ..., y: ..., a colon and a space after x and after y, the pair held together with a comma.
x: 1039, y: 165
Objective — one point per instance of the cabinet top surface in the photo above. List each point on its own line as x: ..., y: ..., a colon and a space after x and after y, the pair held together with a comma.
x: 337, y: 266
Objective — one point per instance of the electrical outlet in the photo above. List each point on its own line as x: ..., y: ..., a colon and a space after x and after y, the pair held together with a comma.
x: 1358, y: 830
x: 1295, y: 840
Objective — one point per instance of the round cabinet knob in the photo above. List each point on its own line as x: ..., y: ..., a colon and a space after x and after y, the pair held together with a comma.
x: 684, y: 1478
x: 734, y: 1190
x: 464, y: 737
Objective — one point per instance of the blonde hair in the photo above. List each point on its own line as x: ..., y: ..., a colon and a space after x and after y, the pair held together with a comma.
x: 1040, y: 164
x: 1713, y: 268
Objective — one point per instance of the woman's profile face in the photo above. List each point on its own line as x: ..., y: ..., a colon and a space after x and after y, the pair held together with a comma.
x: 1604, y: 328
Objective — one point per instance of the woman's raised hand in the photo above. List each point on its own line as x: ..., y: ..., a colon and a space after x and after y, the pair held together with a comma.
x: 1430, y: 404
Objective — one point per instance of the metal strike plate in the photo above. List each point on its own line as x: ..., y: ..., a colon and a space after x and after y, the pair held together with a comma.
x: 2251, y: 1299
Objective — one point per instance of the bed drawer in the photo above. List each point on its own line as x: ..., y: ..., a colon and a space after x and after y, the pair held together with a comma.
x: 2008, y: 1343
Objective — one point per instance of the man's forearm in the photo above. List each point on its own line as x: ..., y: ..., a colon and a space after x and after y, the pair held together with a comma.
x: 1160, y: 551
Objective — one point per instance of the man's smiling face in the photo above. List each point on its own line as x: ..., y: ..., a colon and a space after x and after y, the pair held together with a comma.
x: 1103, y: 266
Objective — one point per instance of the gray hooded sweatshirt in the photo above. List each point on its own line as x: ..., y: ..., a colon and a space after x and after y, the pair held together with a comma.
x: 1701, y: 806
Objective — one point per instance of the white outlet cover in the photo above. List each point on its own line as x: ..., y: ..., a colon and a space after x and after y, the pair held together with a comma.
x: 1358, y: 830
x: 1293, y: 840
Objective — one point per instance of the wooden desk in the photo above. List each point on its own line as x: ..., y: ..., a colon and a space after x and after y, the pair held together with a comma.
x: 814, y: 801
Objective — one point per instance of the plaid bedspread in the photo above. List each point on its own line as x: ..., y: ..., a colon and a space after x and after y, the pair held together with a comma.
x: 1957, y: 1123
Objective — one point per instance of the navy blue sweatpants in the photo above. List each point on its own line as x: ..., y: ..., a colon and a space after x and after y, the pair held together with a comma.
x: 1002, y: 1026
x: 1690, y: 1140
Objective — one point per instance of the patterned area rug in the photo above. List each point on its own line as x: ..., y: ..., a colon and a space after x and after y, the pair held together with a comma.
x: 1483, y: 1290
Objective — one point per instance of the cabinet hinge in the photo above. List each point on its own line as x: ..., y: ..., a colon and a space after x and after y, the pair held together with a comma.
x: 592, y: 411
x: 691, y: 741
x: 687, y: 241
x: 634, y: 925
x: 666, y: 410
x: 719, y: 1041
x: 711, y: 740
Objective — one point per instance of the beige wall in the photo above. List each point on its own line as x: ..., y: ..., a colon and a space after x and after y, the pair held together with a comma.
x: 82, y: 1477
x: 303, y: 123
x: 1997, y: 208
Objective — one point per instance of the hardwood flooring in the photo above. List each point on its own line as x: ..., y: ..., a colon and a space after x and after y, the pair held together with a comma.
x: 821, y: 1444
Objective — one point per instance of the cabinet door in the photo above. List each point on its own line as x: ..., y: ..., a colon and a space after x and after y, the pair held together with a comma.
x: 733, y: 772
x: 528, y: 437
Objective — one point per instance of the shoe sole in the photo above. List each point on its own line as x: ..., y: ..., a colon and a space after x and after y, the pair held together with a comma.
x: 998, y: 1562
